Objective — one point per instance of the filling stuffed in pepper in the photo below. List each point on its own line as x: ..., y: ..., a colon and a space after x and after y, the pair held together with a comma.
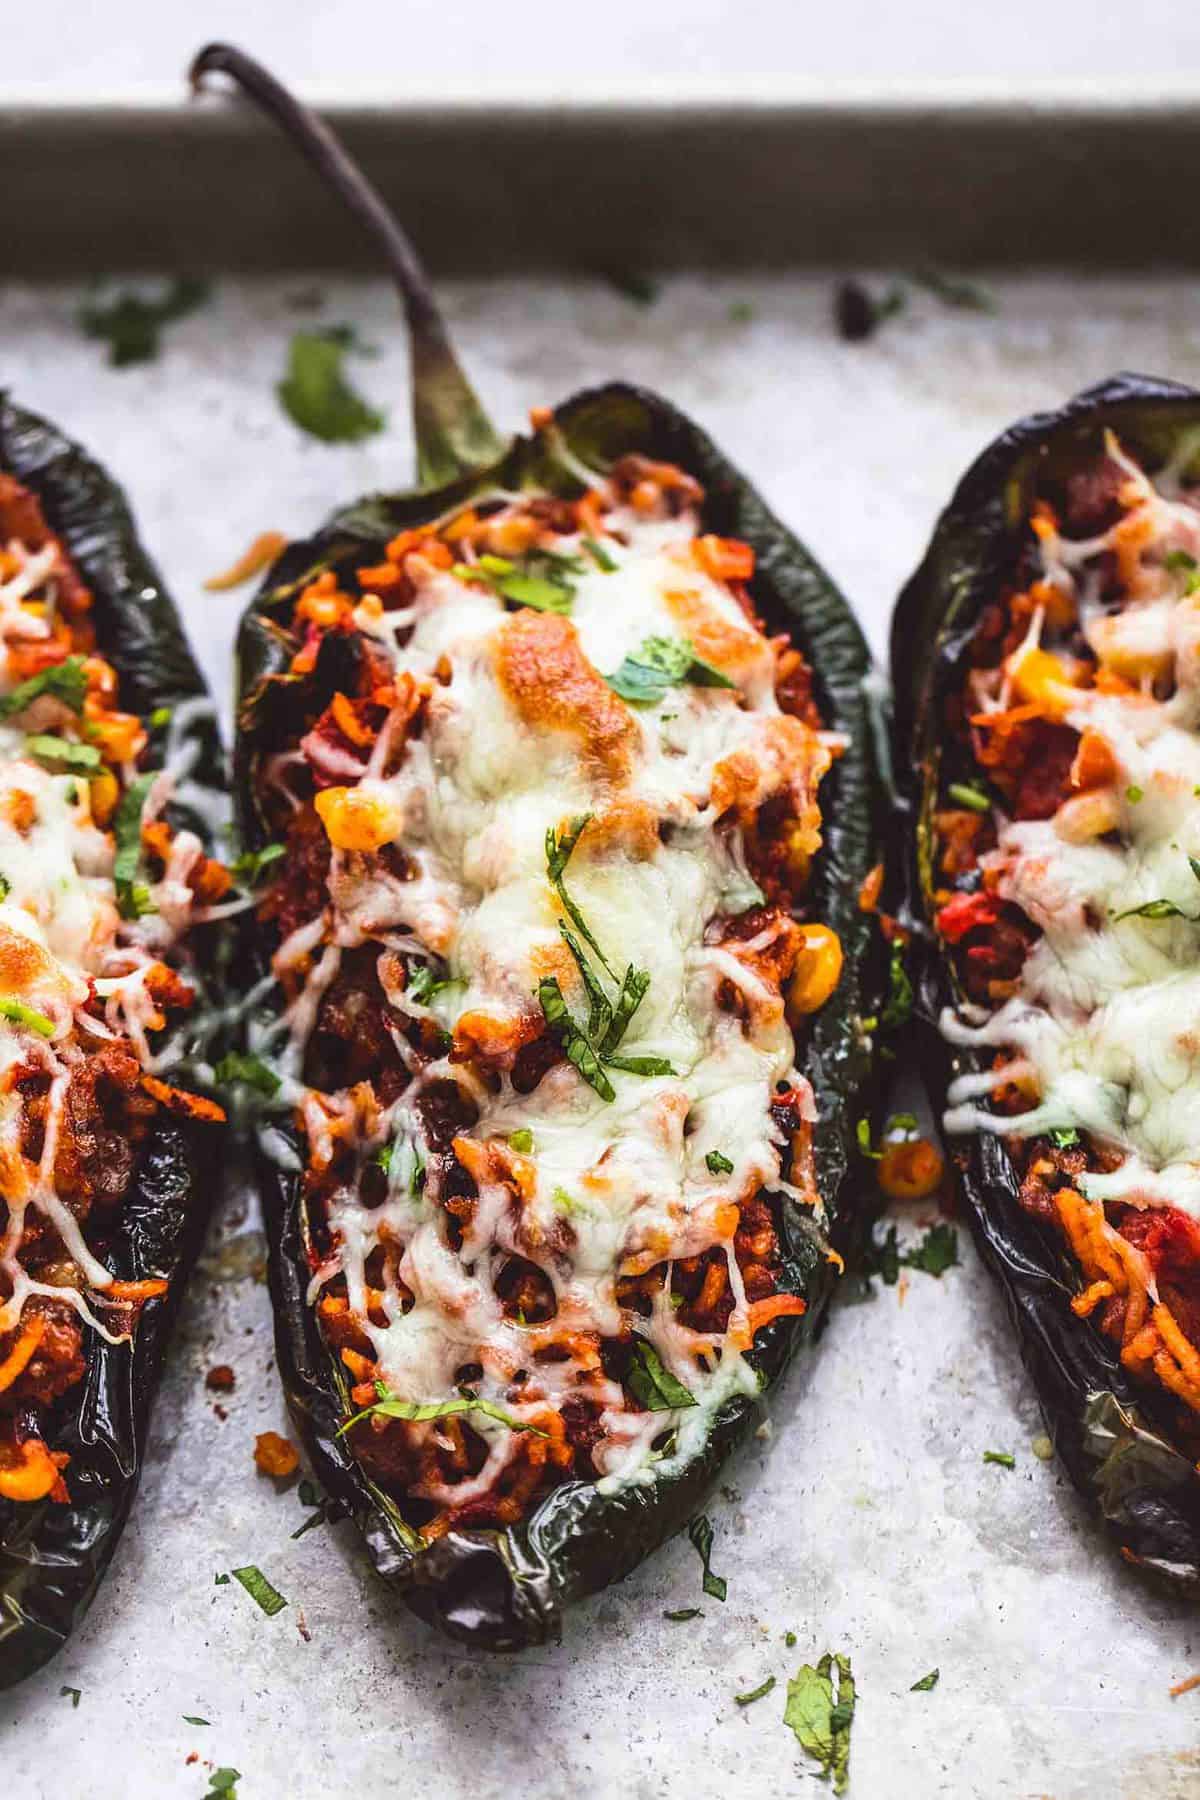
x: 1067, y: 845
x: 539, y: 921
x: 97, y: 893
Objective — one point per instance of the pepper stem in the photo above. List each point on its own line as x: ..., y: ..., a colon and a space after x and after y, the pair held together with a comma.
x: 454, y: 435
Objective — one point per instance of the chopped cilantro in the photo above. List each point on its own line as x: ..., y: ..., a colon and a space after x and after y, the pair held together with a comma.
x: 790, y: 1639
x: 1133, y: 793
x: 316, y: 395
x: 248, y: 867
x: 653, y: 1385
x: 862, y: 1135
x: 821, y: 1724
x: 521, y: 1140
x: 130, y: 324
x: 564, y: 1202
x: 224, y: 1781
x: 221, y: 1581
x: 74, y: 1695
x: 660, y: 664
x: 48, y: 748
x: 20, y: 1014
x: 1064, y: 1138
x: 132, y: 896
x: 1002, y: 1457
x: 1180, y: 563
x: 5, y: 887
x: 195, y: 1719
x: 1156, y: 909
x: 898, y: 1008
x: 717, y: 1163
x: 901, y: 1124
x: 423, y: 984
x: 600, y: 556
x: 260, y: 1589
x: 936, y: 1252
x: 758, y: 1693
x: 952, y: 290
x: 682, y: 1614
x: 66, y: 681
x: 700, y: 1532
x: 926, y: 1682
x: 968, y: 795
x: 251, y: 1071
x: 390, y: 1406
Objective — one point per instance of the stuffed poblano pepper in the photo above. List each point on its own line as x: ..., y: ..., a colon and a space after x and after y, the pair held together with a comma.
x: 1046, y: 661
x: 109, y: 767
x: 563, y: 974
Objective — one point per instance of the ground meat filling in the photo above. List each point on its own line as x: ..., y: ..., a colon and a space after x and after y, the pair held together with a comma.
x: 1082, y: 656
x: 426, y: 1198
x: 83, y: 995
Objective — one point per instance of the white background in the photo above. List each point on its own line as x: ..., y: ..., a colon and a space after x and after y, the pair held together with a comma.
x: 425, y: 48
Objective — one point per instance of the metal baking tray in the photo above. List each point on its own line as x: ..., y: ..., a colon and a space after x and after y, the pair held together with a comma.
x: 867, y: 1521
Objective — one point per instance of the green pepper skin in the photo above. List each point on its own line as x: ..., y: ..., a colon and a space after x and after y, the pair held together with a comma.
x: 52, y: 1557
x: 1112, y: 1434
x: 504, y: 1590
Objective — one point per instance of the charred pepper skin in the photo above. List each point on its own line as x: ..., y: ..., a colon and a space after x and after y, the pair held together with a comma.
x: 506, y: 1589
x: 1112, y: 1435
x: 52, y: 1556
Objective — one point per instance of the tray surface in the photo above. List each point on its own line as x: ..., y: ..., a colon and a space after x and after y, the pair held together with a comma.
x: 867, y: 1522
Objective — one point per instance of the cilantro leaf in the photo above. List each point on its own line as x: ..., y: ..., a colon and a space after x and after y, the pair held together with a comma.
x: 390, y: 1406
x: 316, y: 395
x: 66, y: 681
x: 73, y: 1694
x: 1156, y: 909
x: 423, y: 984
x: 195, y: 1719
x: 576, y: 1048
x: 651, y: 1383
x: 260, y: 1589
x: 20, y: 1014
x: 936, y: 1252
x: 249, y: 866
x: 682, y: 1614
x: 660, y: 664
x: 224, y: 1781
x: 521, y: 1140
x: 717, y: 1163
x: 1064, y: 1139
x: 131, y: 324
x: 821, y: 1724
x: 251, y: 1071
x: 899, y: 1005
x: 926, y: 1683
x: 47, y: 748
x: 700, y: 1532
x: 127, y: 833
x: 754, y: 1694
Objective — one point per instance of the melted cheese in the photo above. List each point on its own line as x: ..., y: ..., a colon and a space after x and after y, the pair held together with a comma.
x: 520, y: 734
x: 1106, y: 1019
x: 62, y: 939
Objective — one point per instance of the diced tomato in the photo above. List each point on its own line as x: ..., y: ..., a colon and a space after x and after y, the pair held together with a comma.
x: 1166, y: 1236
x: 966, y: 912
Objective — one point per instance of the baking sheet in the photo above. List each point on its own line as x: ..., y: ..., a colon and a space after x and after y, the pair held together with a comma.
x: 868, y: 1521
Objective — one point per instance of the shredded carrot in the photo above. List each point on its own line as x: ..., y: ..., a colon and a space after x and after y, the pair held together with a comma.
x: 33, y: 1477
x: 540, y: 417
x: 380, y: 577
x: 22, y: 1351
x: 135, y: 1290
x: 349, y: 723
x: 725, y: 559
x: 775, y: 1306
x: 869, y: 892
x: 194, y: 1106
x: 260, y: 555
x: 1184, y: 1687
x: 1083, y: 1305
